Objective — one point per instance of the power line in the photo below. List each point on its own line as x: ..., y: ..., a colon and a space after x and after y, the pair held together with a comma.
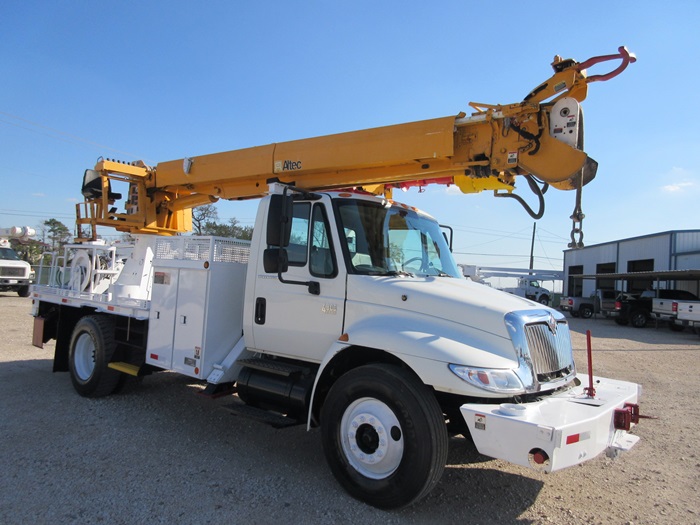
x: 524, y: 256
x: 19, y: 213
x: 504, y: 234
x: 62, y: 135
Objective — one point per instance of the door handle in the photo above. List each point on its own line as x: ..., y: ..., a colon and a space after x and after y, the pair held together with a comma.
x: 260, y: 310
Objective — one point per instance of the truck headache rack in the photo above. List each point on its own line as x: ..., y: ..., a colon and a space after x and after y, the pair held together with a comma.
x: 214, y: 249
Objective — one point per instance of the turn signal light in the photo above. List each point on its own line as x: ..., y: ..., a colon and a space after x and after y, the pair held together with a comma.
x: 625, y: 417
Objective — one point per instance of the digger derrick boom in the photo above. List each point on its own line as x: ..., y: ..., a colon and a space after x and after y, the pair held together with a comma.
x: 541, y: 137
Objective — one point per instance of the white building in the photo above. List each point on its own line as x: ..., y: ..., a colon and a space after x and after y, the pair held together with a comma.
x: 658, y: 260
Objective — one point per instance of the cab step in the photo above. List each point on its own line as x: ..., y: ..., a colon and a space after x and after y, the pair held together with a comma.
x: 273, y: 419
x: 126, y: 368
x: 273, y: 366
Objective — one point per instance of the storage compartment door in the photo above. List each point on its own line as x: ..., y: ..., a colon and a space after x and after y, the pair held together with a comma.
x: 189, y: 322
x: 162, y: 318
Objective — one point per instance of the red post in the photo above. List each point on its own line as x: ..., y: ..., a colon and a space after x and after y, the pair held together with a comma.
x: 590, y: 389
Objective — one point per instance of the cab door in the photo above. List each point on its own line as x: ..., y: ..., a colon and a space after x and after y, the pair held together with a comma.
x: 289, y: 320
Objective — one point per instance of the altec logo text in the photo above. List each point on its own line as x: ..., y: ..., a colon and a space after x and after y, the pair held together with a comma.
x: 291, y: 165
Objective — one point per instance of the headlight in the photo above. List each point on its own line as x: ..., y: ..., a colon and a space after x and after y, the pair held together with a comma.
x: 494, y: 380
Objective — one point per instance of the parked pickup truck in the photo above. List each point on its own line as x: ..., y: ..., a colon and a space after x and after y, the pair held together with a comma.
x: 600, y: 302
x: 638, y: 309
x: 679, y: 313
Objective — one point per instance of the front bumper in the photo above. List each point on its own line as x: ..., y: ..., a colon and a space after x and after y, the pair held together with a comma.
x: 13, y: 284
x: 560, y: 431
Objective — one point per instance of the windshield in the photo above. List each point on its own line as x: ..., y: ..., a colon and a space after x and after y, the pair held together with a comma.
x: 8, y: 254
x: 392, y: 241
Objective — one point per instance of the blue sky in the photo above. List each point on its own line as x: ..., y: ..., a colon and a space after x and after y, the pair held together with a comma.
x: 163, y: 80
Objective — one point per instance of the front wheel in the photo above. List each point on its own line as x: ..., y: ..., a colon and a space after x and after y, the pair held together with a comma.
x: 384, y: 435
x: 91, y: 348
x: 544, y: 299
x: 23, y: 291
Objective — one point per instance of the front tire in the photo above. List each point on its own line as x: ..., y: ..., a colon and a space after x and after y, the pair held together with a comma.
x: 23, y: 291
x: 384, y: 435
x: 91, y: 348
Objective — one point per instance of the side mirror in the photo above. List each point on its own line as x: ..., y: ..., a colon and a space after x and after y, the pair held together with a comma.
x: 275, y: 260
x: 279, y: 220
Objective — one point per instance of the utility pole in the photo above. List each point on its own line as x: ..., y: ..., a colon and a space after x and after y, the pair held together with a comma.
x: 532, y: 247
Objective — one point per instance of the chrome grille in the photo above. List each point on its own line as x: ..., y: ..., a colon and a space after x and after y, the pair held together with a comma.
x: 542, y: 342
x: 12, y: 271
x: 550, y: 352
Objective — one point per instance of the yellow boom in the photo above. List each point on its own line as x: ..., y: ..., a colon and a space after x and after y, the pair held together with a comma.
x: 540, y: 137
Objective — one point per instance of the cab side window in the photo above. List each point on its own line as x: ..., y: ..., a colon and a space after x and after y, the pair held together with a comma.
x: 321, y: 258
x: 299, y: 240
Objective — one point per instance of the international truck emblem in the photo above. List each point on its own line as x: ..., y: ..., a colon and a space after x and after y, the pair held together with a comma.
x: 552, y: 324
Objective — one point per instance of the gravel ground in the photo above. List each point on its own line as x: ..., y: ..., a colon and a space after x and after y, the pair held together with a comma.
x: 158, y: 453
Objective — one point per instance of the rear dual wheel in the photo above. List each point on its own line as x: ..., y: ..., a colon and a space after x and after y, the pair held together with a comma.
x: 91, y: 348
x: 384, y: 435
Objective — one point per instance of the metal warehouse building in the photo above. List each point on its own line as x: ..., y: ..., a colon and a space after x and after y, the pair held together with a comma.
x: 663, y: 260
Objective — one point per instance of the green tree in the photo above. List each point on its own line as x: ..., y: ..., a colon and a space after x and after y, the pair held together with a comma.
x: 57, y: 233
x: 232, y: 229
x: 29, y: 250
x: 202, y: 216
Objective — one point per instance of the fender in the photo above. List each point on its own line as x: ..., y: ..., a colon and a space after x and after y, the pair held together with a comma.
x: 426, y: 346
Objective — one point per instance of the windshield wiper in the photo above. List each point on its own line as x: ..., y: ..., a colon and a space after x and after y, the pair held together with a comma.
x: 399, y: 273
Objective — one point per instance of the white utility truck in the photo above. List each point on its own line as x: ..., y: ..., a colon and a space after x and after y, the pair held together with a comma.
x: 15, y: 274
x: 346, y: 311
x: 531, y: 289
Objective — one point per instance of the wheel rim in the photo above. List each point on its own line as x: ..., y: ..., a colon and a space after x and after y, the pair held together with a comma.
x: 639, y: 320
x: 372, y: 438
x: 84, y: 357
